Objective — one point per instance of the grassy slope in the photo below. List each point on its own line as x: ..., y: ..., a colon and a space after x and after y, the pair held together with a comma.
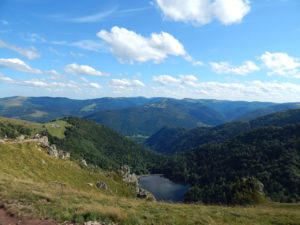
x: 31, y: 125
x: 25, y: 188
x: 55, y: 131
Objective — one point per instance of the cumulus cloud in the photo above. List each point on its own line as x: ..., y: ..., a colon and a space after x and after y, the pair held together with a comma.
x: 188, y: 80
x: 271, y: 91
x: 76, y: 69
x: 201, y: 12
x: 129, y: 46
x: 166, y: 80
x: 281, y: 64
x: 54, y: 75
x: 17, y: 64
x: 225, y: 68
x: 125, y: 84
x: 95, y: 85
x: 31, y: 53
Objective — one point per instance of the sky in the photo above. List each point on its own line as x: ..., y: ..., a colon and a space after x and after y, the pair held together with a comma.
x: 202, y: 49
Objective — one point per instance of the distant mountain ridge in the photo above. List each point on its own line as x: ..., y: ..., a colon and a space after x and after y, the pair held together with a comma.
x: 137, y: 116
x: 45, y: 109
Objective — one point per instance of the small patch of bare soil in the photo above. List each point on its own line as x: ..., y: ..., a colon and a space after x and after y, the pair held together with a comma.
x: 7, y: 219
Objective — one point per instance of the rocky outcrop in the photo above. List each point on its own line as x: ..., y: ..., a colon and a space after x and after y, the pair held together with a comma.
x: 132, y: 180
x: 44, y: 140
x: 127, y: 176
x: 83, y: 162
x: 64, y: 155
x: 52, y: 151
x: 101, y: 185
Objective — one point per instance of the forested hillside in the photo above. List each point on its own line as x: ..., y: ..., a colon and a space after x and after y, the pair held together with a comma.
x: 181, y: 140
x: 169, y: 144
x: 148, y: 119
x: 103, y: 147
x: 270, y: 154
x: 97, y: 144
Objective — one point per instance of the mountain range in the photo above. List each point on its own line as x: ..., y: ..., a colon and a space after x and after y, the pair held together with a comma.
x: 138, y: 116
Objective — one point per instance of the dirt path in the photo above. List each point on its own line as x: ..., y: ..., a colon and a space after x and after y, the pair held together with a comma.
x: 6, y: 219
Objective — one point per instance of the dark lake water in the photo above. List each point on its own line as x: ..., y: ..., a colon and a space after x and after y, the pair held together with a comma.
x: 163, y: 189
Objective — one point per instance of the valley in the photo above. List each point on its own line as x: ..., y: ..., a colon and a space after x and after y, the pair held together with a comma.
x: 239, y: 172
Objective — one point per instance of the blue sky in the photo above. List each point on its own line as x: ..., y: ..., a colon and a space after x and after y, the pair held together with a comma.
x: 216, y: 49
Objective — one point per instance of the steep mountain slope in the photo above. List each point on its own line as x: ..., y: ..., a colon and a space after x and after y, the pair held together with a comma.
x: 95, y: 143
x: 104, y: 147
x: 168, y: 143
x: 147, y: 119
x: 280, y: 119
x: 270, y: 154
x: 164, y: 139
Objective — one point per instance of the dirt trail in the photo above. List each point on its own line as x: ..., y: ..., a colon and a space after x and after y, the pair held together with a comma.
x: 6, y: 219
x: 20, y: 141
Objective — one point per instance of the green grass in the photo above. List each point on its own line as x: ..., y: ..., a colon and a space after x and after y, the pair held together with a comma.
x: 25, y: 189
x: 34, y: 127
x: 58, y: 132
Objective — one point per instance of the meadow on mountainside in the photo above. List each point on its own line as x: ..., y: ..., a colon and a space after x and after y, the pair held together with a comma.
x: 26, y: 189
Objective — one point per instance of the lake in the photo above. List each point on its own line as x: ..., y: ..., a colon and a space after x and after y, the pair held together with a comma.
x: 163, y: 189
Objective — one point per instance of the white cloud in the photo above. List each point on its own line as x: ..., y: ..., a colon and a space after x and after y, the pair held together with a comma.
x: 54, y: 75
x: 271, y: 91
x: 5, y: 79
x: 34, y: 83
x: 88, y: 45
x: 281, y: 64
x: 166, y: 80
x: 50, y: 85
x: 129, y: 46
x: 93, y: 18
x: 95, y: 85
x: 225, y: 68
x: 84, y: 79
x: 31, y: 53
x: 76, y: 69
x: 19, y: 65
x: 125, y: 84
x: 201, y: 12
x: 188, y: 80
